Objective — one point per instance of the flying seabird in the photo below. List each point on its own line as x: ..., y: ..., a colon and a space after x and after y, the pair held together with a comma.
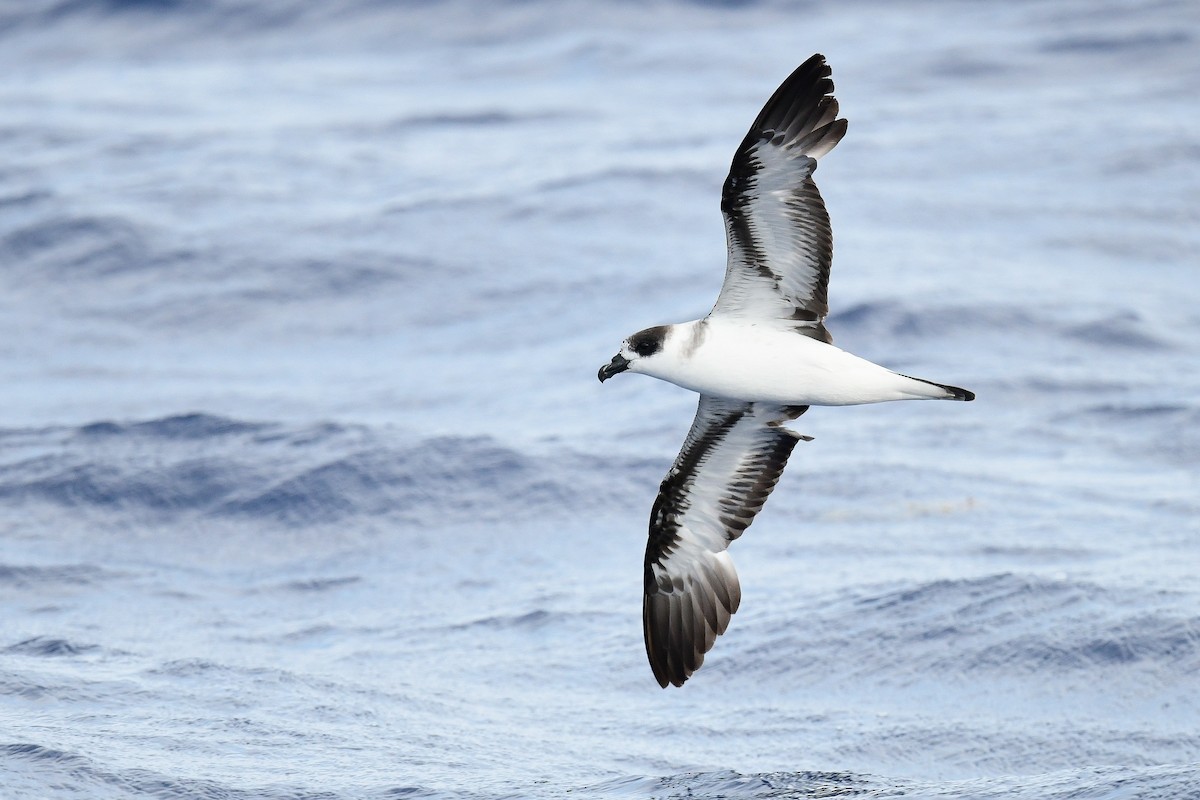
x: 759, y: 359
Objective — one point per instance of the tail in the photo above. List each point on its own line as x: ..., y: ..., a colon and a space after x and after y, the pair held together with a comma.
x: 952, y: 392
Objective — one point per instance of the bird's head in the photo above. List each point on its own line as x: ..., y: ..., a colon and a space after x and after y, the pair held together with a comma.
x: 637, y: 352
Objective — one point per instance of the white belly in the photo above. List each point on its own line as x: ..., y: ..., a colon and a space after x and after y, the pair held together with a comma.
x: 765, y: 365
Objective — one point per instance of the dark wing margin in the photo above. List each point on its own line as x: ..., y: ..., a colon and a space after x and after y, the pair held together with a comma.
x: 731, y: 460
x: 777, y: 229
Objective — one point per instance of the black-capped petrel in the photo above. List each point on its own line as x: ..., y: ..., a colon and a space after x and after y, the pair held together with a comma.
x: 759, y: 359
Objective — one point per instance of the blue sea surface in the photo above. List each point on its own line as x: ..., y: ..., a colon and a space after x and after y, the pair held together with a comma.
x: 308, y: 488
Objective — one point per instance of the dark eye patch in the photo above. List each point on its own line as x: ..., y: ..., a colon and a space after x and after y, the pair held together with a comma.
x: 648, y: 342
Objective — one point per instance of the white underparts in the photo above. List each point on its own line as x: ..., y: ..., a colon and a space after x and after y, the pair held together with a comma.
x: 763, y: 363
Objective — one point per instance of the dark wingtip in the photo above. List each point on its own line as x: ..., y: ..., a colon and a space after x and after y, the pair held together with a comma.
x: 674, y: 680
x: 661, y: 671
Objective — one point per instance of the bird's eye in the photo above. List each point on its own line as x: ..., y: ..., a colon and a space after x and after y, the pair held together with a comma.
x: 645, y: 348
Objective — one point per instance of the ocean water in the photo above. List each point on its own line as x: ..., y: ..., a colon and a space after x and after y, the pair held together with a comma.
x: 308, y: 489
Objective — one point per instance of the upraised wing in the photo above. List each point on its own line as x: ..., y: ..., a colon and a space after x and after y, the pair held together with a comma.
x: 730, y: 461
x: 777, y: 229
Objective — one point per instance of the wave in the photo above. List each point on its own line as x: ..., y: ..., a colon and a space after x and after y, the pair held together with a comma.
x: 180, y: 426
x: 222, y: 22
x: 895, y: 320
x: 1003, y: 624
x: 1104, y: 783
x: 144, y: 20
x: 1151, y: 431
x: 49, y: 248
x: 63, y: 247
x: 1134, y: 43
x: 26, y: 577
x: 26, y: 765
x: 217, y: 467
x: 48, y: 646
x: 731, y: 784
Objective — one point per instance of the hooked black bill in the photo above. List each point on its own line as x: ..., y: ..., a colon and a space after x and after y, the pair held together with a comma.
x: 618, y: 364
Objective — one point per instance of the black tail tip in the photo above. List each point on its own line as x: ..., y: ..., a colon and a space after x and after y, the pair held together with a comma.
x: 953, y: 392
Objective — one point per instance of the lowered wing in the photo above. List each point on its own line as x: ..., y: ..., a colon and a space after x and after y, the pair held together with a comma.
x: 730, y: 461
